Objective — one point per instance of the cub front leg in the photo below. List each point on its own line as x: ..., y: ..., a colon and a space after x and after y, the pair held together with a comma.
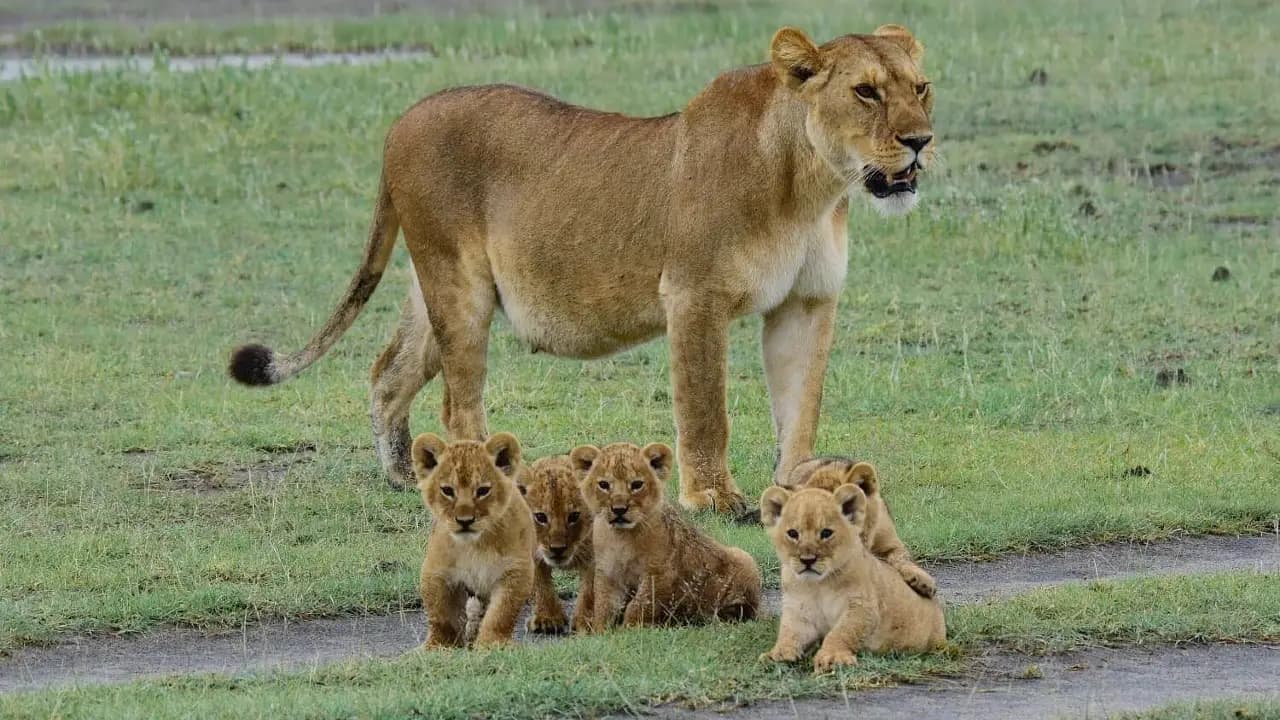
x: 445, y: 604
x: 610, y: 598
x: 505, y: 604
x: 915, y: 576
x: 585, y: 607
x: 647, y: 605
x: 548, y: 613
x: 699, y: 331
x: 795, y: 635
x: 841, y: 645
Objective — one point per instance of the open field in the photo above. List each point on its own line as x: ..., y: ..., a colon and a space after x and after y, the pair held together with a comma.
x: 1039, y: 357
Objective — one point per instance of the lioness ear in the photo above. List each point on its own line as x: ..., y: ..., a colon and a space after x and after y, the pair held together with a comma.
x: 864, y: 476
x: 794, y: 56
x: 853, y: 504
x: 771, y: 502
x: 583, y: 457
x: 427, y: 449
x: 658, y: 456
x: 504, y: 448
x: 903, y: 37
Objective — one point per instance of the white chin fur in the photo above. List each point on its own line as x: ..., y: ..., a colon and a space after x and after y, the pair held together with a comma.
x: 896, y: 204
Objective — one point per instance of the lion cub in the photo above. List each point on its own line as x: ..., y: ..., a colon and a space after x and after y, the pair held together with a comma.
x: 481, y: 537
x: 563, y: 525
x: 834, y: 589
x: 880, y: 536
x: 652, y: 565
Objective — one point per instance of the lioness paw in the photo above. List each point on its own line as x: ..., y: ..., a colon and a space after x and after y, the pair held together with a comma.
x: 700, y: 500
x: 919, y: 580
x: 547, y: 625
x: 828, y: 660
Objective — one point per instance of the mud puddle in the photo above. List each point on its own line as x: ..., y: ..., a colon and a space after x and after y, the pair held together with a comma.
x: 298, y: 644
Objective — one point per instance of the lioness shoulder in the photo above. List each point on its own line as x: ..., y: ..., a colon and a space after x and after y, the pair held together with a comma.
x: 563, y: 526
x: 653, y: 566
x: 834, y: 590
x: 880, y: 535
x: 481, y: 542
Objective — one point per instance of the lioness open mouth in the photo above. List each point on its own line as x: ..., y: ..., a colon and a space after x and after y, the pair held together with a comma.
x: 882, y: 186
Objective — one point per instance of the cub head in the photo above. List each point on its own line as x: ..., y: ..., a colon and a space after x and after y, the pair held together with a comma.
x: 560, y: 515
x: 830, y: 473
x: 466, y: 483
x: 814, y: 531
x: 868, y: 108
x: 623, y: 483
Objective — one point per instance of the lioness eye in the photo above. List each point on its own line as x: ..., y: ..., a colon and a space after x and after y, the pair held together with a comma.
x: 793, y: 534
x: 636, y: 485
x: 446, y: 491
x: 541, y: 518
x: 573, y: 518
x: 603, y: 485
x: 866, y: 91
x: 826, y: 533
x: 482, y: 491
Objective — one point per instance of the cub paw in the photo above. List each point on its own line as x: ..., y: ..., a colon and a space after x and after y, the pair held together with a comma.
x: 828, y: 660
x: 547, y: 625
x: 919, y: 580
x: 781, y: 655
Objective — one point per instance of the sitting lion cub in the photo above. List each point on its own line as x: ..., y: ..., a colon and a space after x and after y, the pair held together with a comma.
x: 563, y: 524
x: 834, y: 589
x: 652, y: 565
x: 481, y: 537
x: 880, y: 536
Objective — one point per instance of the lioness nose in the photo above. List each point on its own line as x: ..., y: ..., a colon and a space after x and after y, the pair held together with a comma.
x: 915, y: 142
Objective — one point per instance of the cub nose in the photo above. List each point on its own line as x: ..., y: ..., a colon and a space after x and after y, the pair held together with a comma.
x: 557, y: 551
x: 619, y: 511
x: 808, y: 561
x: 465, y: 523
x: 915, y: 142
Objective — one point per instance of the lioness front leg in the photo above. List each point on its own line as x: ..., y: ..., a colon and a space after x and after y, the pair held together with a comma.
x: 699, y: 332
x: 796, y: 344
x: 505, y: 604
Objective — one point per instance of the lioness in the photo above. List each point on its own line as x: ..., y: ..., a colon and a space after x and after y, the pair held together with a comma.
x: 481, y: 542
x: 879, y: 533
x: 834, y: 589
x: 592, y: 232
x: 563, y: 525
x: 653, y: 566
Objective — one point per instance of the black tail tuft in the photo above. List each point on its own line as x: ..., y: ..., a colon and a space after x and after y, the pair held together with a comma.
x: 251, y: 365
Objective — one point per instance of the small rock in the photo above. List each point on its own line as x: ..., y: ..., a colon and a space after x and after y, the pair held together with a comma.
x: 1221, y: 273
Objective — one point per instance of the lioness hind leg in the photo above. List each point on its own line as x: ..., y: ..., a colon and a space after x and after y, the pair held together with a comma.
x: 408, y: 363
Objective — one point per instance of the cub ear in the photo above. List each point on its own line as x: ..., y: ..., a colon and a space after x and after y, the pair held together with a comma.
x: 658, y: 455
x: 903, y: 37
x: 583, y: 457
x: 794, y: 56
x: 771, y: 503
x: 428, y: 448
x: 864, y: 476
x: 853, y: 504
x: 504, y: 448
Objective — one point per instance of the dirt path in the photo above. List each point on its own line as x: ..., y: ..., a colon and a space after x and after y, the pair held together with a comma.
x: 292, y: 644
x: 1090, y: 684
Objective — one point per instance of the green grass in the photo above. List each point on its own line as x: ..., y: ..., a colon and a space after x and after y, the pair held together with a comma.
x: 1241, y: 709
x: 711, y: 665
x: 996, y: 352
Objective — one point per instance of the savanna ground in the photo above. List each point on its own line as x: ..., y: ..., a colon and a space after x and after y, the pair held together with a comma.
x: 1045, y: 354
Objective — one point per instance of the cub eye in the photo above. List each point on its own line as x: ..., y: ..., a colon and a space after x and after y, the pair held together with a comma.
x: 482, y: 491
x: 867, y: 92
x: 826, y: 533
x: 793, y: 534
x: 922, y: 88
x: 573, y: 517
x: 446, y: 491
x: 636, y: 485
x: 603, y: 485
x: 541, y: 518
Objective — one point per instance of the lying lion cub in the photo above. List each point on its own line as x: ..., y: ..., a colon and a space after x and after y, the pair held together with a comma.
x: 880, y: 535
x: 563, y: 524
x: 652, y: 565
x: 834, y: 589
x: 481, y: 537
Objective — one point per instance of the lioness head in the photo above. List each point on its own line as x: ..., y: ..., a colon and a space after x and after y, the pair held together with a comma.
x: 622, y: 482
x: 868, y: 107
x: 560, y: 515
x: 466, y: 483
x: 814, y: 531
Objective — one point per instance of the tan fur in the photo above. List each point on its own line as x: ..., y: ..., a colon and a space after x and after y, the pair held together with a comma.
x: 879, y: 534
x: 563, y: 525
x: 493, y: 562
x: 851, y: 600
x: 654, y: 567
x: 592, y: 232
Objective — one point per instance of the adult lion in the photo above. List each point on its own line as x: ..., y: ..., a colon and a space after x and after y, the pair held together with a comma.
x: 594, y: 231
